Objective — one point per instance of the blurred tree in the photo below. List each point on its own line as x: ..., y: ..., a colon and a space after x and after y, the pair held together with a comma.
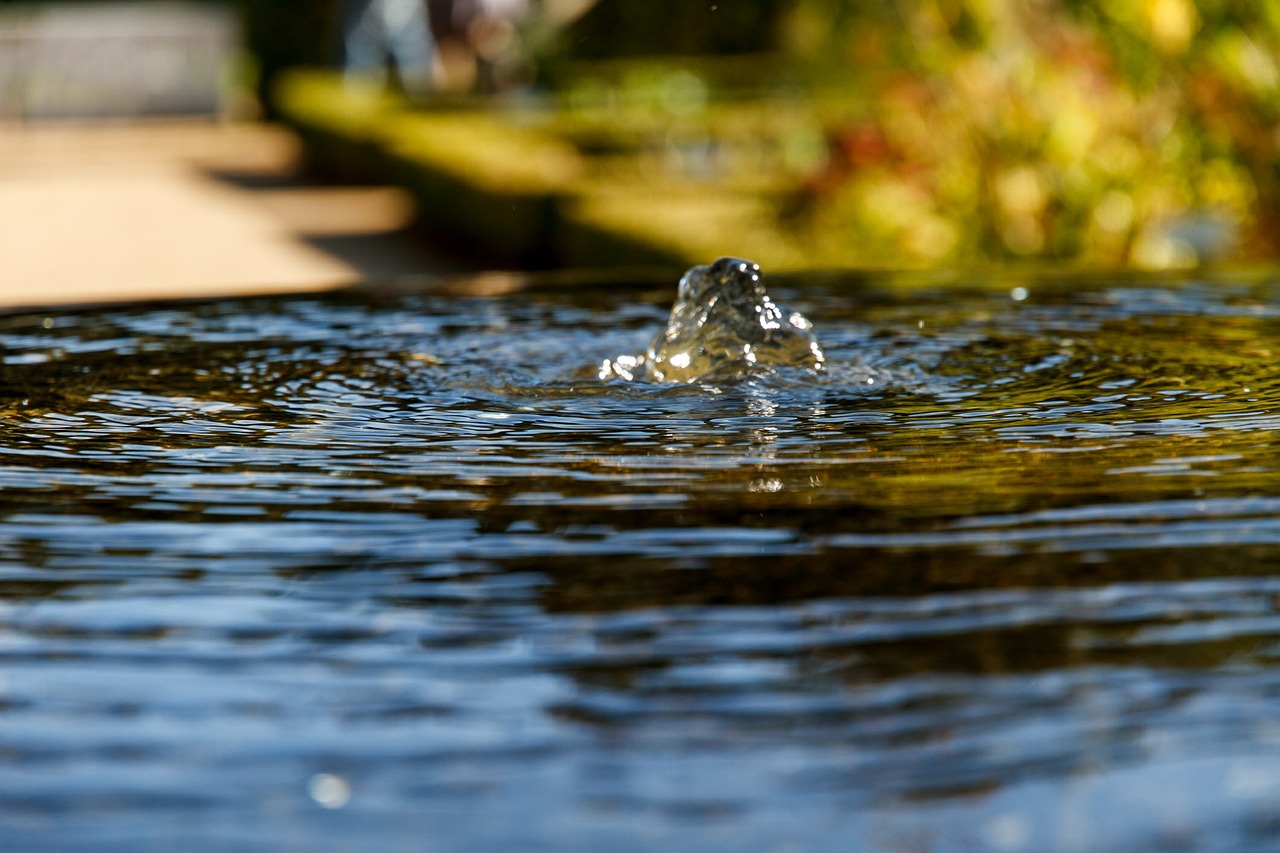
x: 1142, y: 132
x: 1138, y: 131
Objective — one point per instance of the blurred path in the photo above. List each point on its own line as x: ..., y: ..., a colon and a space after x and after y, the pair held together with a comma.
x: 92, y: 213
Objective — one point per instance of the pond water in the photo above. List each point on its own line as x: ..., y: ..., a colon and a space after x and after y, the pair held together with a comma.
x: 397, y: 571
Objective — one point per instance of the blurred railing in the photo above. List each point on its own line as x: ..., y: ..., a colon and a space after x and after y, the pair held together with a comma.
x: 114, y: 60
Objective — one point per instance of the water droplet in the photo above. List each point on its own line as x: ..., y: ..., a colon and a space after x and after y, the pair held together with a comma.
x: 330, y: 791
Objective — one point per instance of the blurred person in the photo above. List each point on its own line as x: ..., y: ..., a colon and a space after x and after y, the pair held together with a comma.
x: 494, y: 36
x: 481, y: 45
x: 377, y: 31
x: 489, y: 45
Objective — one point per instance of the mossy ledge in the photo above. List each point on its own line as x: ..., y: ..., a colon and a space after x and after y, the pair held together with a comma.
x: 518, y: 193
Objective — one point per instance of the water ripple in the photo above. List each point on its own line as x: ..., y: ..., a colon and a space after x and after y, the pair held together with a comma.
x: 338, y: 570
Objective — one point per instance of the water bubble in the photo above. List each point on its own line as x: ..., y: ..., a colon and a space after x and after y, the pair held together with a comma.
x: 329, y: 790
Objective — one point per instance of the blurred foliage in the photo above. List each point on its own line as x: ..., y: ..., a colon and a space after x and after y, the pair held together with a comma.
x: 1135, y: 132
x: 913, y: 132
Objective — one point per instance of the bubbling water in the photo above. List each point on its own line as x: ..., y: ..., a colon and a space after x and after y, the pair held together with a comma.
x: 723, y: 326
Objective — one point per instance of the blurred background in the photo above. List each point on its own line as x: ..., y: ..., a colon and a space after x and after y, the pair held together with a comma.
x: 835, y: 133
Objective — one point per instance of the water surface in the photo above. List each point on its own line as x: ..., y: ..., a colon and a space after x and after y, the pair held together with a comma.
x: 399, y: 572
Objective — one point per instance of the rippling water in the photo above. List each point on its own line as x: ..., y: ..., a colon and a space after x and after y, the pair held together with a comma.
x: 397, y: 572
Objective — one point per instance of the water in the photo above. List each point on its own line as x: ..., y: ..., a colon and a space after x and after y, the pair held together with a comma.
x: 723, y: 328
x: 399, y: 572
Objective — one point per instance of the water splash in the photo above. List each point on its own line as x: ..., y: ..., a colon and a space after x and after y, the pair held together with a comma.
x: 723, y: 326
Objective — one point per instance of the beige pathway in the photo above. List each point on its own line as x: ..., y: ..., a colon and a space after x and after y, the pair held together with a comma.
x: 101, y: 212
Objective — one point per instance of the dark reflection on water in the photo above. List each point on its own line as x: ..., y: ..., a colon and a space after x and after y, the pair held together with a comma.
x: 396, y: 572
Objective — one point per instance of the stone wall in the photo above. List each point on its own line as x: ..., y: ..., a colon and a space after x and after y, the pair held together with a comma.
x: 114, y: 60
